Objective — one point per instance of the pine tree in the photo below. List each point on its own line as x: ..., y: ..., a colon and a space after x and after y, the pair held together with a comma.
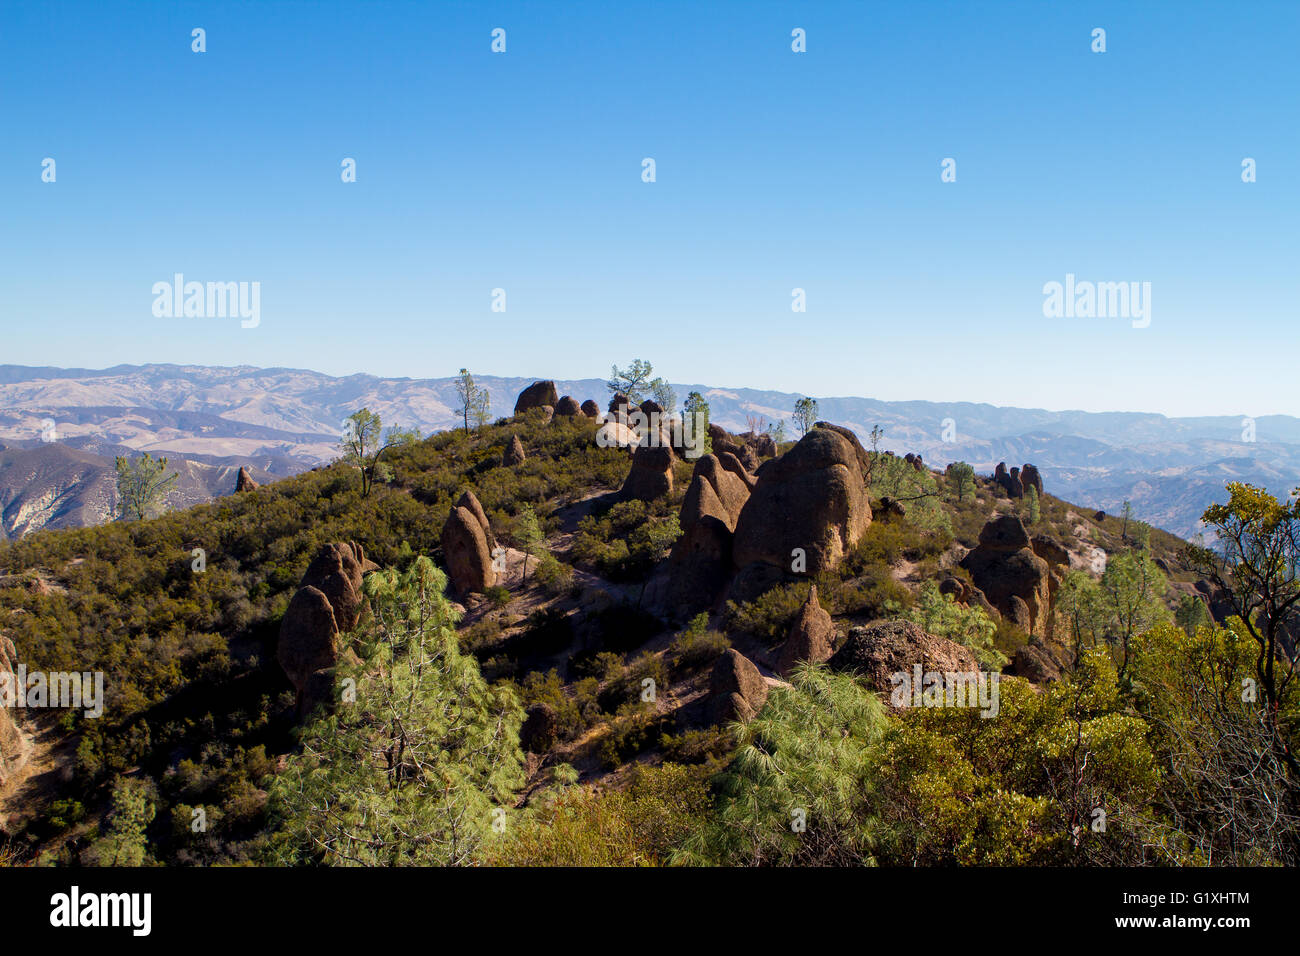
x: 798, y: 789
x: 419, y: 767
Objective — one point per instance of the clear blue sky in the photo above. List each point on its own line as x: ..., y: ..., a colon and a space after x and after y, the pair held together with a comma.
x: 775, y: 170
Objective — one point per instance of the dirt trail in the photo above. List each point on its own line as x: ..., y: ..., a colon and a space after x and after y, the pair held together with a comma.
x: 40, y: 779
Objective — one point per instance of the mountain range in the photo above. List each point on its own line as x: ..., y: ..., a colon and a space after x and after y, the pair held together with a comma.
x: 61, y: 428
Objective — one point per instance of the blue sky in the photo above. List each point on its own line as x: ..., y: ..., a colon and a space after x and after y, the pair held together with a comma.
x: 775, y: 170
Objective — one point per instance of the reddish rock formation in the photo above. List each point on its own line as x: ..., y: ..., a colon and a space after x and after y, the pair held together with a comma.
x: 620, y: 407
x: 568, y: 406
x: 880, y: 650
x: 514, y: 454
x: 1038, y: 663
x: 327, y: 604
x: 737, y: 690
x: 467, y: 545
x: 701, y: 557
x: 966, y: 593
x: 651, y: 475
x: 811, y: 636
x: 1030, y: 478
x: 1004, y: 566
x: 724, y: 443
x: 734, y: 465
x: 764, y: 446
x: 245, y: 481
x: 590, y: 409
x: 1010, y: 484
x: 536, y: 396
x: 812, y: 498
x: 1050, y: 551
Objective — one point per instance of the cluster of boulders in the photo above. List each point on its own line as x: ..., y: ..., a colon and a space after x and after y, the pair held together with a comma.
x: 542, y: 395
x: 467, y: 546
x: 327, y: 605
x: 1016, y: 574
x: 1017, y: 482
x: 798, y: 515
x: 14, y: 745
x: 749, y: 449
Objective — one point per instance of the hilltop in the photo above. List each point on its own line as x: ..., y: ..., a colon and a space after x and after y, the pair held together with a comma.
x: 287, y: 420
x: 646, y: 566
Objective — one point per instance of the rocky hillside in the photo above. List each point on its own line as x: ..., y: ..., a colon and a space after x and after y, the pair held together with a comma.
x: 582, y: 569
x: 55, y: 485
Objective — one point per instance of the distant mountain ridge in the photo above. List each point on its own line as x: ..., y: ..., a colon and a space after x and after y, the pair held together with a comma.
x: 289, y: 419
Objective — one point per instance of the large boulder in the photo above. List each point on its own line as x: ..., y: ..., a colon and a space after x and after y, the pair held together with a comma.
x: 880, y: 650
x: 651, y: 475
x: 244, y: 482
x: 14, y: 744
x: 590, y: 409
x: 514, y: 453
x: 568, y: 406
x: 1038, y: 663
x: 1004, y: 566
x: 701, y: 558
x: 812, y: 498
x: 811, y: 636
x: 737, y: 691
x: 1030, y: 478
x: 327, y: 604
x: 467, y: 546
x: 537, y: 395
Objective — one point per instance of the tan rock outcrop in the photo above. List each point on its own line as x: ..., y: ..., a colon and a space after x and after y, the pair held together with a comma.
x: 1004, y: 566
x: 514, y: 453
x: 811, y: 636
x: 467, y: 546
x: 878, y: 651
x: 737, y: 690
x: 245, y: 482
x: 327, y: 604
x: 812, y: 498
x: 537, y: 395
x: 15, y: 747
